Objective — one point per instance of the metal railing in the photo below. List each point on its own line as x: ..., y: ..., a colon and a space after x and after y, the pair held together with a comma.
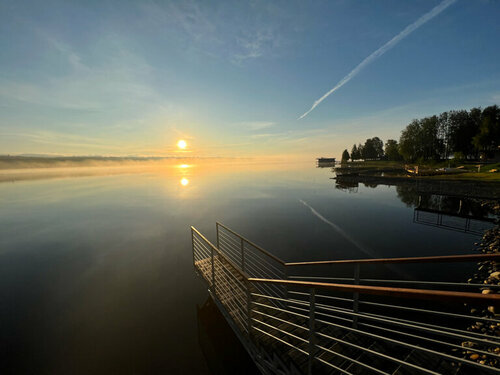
x: 316, y: 327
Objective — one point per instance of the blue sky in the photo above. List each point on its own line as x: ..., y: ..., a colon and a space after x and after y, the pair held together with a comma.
x: 232, y: 78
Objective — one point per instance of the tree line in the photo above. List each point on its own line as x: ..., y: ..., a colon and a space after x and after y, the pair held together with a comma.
x: 462, y: 134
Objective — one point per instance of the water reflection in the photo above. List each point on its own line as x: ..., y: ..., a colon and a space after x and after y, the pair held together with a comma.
x: 223, y: 351
x: 434, y: 204
x: 96, y: 272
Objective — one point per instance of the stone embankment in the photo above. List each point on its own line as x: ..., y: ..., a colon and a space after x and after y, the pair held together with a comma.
x: 488, y: 273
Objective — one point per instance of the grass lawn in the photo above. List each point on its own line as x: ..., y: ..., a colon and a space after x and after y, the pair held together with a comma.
x: 471, y: 169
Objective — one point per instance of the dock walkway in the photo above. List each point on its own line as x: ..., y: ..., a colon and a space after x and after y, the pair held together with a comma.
x: 301, y: 318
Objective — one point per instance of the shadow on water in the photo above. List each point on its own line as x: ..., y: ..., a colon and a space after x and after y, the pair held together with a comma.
x: 223, y: 351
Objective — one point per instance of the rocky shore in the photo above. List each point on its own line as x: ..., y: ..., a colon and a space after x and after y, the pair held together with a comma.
x: 488, y: 273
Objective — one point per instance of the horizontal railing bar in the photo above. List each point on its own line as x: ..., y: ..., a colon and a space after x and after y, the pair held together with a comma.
x: 432, y: 259
x: 243, y: 287
x: 362, y: 348
x: 281, y: 320
x: 401, y: 343
x: 198, y: 252
x: 267, y: 290
x: 263, y: 257
x: 447, y: 314
x: 251, y: 257
x: 229, y: 246
x: 282, y: 310
x: 281, y: 299
x: 203, y: 237
x: 443, y: 313
x: 440, y: 283
x: 236, y: 312
x: 324, y: 296
x: 258, y: 271
x: 230, y: 239
x: 393, y: 292
x: 233, y: 264
x: 251, y: 243
x: 407, y: 334
x: 223, y: 244
x: 352, y: 360
x: 283, y: 341
x: 486, y: 339
x: 414, y: 325
x: 333, y: 366
x: 201, y: 244
x: 280, y: 330
x: 225, y: 285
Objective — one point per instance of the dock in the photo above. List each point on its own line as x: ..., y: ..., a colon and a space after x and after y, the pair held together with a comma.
x: 310, y: 318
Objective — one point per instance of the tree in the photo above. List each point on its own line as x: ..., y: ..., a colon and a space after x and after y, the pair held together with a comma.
x: 354, y: 153
x: 487, y: 138
x: 408, y: 142
x: 345, y: 156
x: 391, y: 150
x: 373, y: 149
x: 378, y: 145
x: 360, y: 151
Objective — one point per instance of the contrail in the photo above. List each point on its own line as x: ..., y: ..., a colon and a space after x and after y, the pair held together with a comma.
x: 340, y: 231
x: 386, y: 47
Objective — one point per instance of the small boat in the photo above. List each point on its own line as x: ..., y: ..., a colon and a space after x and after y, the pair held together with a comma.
x: 326, y: 160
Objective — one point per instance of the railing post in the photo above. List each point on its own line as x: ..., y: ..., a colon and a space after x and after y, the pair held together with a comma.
x: 249, y: 310
x: 192, y: 246
x: 355, y: 298
x: 312, y: 329
x: 213, y: 272
x: 242, y: 254
x: 217, y: 231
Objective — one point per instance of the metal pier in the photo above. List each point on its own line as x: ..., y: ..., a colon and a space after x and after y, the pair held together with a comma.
x: 302, y: 318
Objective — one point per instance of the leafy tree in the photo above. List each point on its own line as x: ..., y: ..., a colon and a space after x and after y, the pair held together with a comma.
x: 345, y: 156
x: 360, y: 152
x: 355, y: 153
x: 408, y: 142
x: 373, y: 149
x: 391, y: 150
x: 487, y: 138
x: 378, y: 145
x: 463, y: 126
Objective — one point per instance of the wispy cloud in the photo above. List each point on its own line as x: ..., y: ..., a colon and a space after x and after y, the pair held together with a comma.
x: 386, y: 47
x: 256, y: 125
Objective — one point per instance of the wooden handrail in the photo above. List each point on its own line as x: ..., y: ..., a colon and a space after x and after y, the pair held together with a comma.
x: 490, y: 299
x: 432, y: 259
x: 254, y: 245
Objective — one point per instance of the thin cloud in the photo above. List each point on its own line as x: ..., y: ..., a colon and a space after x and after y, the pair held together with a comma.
x: 258, y: 125
x: 386, y: 47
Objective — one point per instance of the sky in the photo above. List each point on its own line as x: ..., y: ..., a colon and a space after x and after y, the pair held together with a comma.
x: 236, y: 78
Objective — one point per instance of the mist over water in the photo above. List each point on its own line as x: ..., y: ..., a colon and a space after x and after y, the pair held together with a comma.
x: 96, y: 271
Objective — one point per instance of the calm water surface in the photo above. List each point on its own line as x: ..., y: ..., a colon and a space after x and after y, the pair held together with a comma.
x: 96, y: 271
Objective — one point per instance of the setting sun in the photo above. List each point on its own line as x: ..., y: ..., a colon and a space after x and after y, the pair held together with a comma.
x: 184, y: 181
x: 181, y: 144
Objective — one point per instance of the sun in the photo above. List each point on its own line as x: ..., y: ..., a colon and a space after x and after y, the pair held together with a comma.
x: 184, y: 182
x: 181, y: 144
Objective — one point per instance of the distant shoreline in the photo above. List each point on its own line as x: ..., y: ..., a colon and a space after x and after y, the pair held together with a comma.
x: 8, y: 162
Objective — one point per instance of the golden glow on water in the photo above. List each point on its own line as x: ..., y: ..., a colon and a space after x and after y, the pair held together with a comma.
x: 184, y: 182
x: 183, y: 166
x: 181, y: 144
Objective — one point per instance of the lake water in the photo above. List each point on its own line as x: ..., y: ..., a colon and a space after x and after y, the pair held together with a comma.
x: 96, y: 273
